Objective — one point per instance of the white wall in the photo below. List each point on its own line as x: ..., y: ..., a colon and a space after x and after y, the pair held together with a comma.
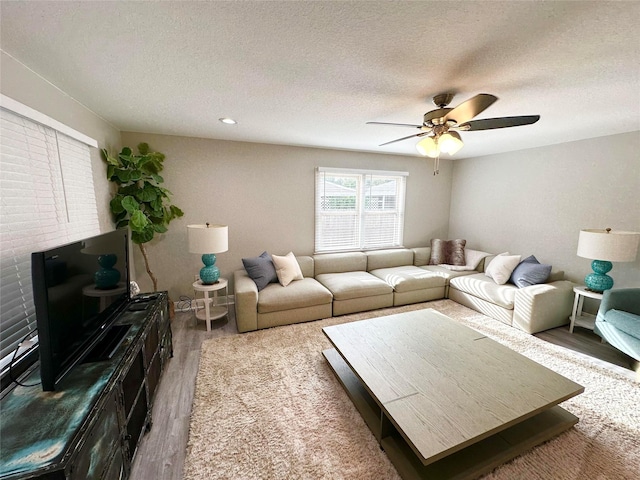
x: 265, y: 193
x: 23, y: 85
x: 536, y: 201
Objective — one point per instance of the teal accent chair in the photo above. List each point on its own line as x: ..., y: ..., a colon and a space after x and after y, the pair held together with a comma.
x: 618, y: 320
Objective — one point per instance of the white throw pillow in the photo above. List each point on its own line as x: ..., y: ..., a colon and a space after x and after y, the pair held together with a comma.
x: 287, y: 268
x: 501, y: 267
x: 473, y: 258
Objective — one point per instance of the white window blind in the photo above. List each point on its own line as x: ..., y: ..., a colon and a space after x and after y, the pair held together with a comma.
x: 358, y: 210
x: 47, y: 199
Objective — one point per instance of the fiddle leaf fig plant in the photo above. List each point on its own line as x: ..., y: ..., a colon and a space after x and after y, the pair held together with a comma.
x: 140, y: 202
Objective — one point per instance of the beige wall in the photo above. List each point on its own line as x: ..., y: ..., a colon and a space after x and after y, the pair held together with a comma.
x: 265, y: 194
x: 28, y: 88
x: 536, y: 201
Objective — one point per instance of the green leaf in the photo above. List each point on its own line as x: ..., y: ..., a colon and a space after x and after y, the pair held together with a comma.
x: 110, y: 171
x: 122, y: 223
x: 126, y: 151
x: 123, y: 175
x: 157, y: 178
x: 176, y: 212
x: 116, y: 205
x: 135, y: 175
x: 159, y: 228
x: 138, y: 221
x: 143, y: 148
x: 143, y: 236
x: 147, y: 194
x: 130, y: 204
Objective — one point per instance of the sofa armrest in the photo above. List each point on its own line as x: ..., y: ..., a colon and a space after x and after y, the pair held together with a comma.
x: 541, y: 307
x: 246, y: 301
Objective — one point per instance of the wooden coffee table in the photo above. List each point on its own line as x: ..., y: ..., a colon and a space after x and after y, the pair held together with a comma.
x: 443, y: 400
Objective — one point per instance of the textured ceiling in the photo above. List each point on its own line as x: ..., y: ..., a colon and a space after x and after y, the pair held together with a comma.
x: 312, y: 73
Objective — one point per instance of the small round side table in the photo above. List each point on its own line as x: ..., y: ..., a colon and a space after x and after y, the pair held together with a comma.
x: 578, y: 301
x: 212, y: 310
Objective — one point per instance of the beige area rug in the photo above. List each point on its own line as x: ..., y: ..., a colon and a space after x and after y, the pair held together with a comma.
x: 267, y: 406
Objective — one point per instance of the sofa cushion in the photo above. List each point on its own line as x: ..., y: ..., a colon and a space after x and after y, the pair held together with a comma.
x: 450, y: 252
x: 501, y: 267
x: 302, y: 293
x: 389, y: 258
x: 340, y: 262
x: 421, y: 256
x: 261, y: 270
x: 348, y: 285
x: 481, y: 286
x: 627, y: 322
x: 287, y: 268
x: 530, y: 272
x: 409, y: 278
x: 446, y: 272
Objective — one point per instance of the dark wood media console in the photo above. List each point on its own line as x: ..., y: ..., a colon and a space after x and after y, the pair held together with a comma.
x: 90, y: 427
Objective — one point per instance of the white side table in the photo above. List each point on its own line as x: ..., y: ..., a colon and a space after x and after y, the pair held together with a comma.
x: 212, y: 310
x: 576, y: 315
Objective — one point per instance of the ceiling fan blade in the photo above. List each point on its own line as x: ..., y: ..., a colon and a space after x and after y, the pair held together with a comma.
x: 421, y: 134
x: 502, y: 122
x: 395, y: 124
x: 470, y: 108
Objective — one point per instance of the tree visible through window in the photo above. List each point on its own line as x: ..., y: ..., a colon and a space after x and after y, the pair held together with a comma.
x: 357, y: 210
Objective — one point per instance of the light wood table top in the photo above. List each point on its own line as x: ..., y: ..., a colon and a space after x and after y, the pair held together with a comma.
x: 443, y: 385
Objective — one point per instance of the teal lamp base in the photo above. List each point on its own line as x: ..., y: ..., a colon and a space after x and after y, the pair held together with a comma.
x: 598, y: 281
x: 107, y: 277
x: 209, y: 274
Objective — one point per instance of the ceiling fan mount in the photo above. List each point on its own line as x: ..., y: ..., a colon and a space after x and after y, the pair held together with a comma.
x: 440, y: 126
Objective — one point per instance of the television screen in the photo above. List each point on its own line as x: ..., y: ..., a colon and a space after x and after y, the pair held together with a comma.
x: 79, y: 289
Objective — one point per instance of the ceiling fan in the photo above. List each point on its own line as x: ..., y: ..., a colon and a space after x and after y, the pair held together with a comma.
x: 440, y: 127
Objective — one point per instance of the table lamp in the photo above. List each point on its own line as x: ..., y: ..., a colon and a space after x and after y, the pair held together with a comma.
x: 208, y: 240
x: 604, y: 247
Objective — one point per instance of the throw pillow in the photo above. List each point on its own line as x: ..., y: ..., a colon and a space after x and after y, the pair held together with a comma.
x: 473, y: 257
x: 501, y: 267
x: 450, y: 252
x: 287, y: 268
x: 530, y: 272
x: 261, y: 270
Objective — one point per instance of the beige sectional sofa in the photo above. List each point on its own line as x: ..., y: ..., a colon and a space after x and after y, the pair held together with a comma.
x: 342, y: 283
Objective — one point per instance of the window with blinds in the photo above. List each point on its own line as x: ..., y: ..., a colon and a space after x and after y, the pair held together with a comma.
x: 358, y: 210
x: 47, y: 199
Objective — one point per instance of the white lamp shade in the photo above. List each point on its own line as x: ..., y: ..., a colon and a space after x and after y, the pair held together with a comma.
x: 450, y: 142
x: 428, y: 147
x: 612, y: 246
x: 208, y: 238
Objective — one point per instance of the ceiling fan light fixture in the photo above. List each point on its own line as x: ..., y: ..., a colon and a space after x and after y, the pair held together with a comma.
x: 428, y: 147
x: 450, y: 142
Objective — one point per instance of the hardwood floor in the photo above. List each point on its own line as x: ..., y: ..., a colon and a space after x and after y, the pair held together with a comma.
x: 162, y: 451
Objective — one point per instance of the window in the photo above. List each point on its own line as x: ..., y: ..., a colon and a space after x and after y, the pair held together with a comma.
x: 47, y: 199
x: 358, y: 210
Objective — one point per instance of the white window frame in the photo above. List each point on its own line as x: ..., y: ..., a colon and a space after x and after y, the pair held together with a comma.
x: 339, y: 230
x: 48, y: 199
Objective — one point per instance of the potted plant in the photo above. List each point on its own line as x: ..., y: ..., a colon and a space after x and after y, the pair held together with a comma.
x: 140, y: 201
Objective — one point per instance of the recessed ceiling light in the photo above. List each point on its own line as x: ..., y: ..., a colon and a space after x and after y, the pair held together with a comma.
x: 228, y: 121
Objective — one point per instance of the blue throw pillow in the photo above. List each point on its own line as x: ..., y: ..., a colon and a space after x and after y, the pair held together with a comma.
x: 261, y: 270
x: 530, y: 272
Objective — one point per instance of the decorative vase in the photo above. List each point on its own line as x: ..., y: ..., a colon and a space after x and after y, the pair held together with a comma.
x: 209, y: 274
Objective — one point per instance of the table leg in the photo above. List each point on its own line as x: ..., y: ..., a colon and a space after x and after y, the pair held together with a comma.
x: 207, y: 312
x: 576, y: 300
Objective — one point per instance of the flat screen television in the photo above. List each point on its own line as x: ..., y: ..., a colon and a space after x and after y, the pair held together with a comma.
x: 79, y: 290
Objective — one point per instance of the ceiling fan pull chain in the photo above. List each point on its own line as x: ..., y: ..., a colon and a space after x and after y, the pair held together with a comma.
x: 436, y: 165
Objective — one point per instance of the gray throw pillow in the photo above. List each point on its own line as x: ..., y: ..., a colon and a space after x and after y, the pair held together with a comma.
x: 530, y: 272
x: 261, y: 270
x: 450, y: 252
